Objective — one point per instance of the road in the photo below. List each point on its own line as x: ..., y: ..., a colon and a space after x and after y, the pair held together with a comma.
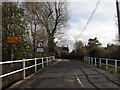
x: 71, y: 74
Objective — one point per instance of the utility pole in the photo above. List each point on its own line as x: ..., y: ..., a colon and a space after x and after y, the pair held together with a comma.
x: 118, y: 16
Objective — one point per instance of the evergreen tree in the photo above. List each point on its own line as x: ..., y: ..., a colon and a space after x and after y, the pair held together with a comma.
x: 14, y: 24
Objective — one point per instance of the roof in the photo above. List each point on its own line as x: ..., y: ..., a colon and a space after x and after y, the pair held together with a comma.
x: 65, y: 49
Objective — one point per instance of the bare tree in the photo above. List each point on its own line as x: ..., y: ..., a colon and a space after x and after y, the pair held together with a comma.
x: 52, y: 16
x: 32, y: 22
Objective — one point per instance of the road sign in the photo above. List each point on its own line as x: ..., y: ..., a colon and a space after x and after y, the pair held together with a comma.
x: 40, y: 44
x: 12, y: 39
x: 39, y: 49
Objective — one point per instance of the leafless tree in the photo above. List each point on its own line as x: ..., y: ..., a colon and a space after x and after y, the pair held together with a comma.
x: 32, y: 22
x: 52, y: 16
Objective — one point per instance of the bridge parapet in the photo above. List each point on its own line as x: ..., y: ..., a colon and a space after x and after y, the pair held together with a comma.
x: 21, y: 69
x: 108, y: 64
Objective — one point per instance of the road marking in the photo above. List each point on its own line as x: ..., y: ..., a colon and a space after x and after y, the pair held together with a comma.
x: 66, y: 60
x: 54, y: 63
x: 79, y: 82
x: 77, y: 77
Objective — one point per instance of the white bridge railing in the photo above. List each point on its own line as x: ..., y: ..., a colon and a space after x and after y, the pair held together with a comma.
x: 103, y: 61
x: 42, y: 60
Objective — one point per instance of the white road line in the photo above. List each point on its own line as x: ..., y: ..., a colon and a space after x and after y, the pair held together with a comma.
x: 79, y: 82
x: 54, y: 63
x: 77, y: 77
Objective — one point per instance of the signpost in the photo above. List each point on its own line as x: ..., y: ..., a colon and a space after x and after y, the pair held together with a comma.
x: 13, y: 40
x: 40, y: 46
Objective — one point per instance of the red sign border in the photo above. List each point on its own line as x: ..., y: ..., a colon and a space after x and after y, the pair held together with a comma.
x: 42, y: 44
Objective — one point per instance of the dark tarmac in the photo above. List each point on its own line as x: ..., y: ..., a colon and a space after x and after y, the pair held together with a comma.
x: 71, y: 74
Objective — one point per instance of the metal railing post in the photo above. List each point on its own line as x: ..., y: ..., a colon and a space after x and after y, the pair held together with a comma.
x: 100, y: 62
x: 42, y: 63
x: 35, y: 65
x: 95, y: 61
x: 106, y: 64
x: 23, y: 68
x: 115, y: 66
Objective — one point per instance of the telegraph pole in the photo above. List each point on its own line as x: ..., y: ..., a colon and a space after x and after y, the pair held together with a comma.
x: 118, y: 16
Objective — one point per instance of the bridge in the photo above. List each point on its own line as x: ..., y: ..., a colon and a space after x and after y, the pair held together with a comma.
x: 71, y: 73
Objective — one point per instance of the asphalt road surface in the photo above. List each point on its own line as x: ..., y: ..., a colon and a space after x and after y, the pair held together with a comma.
x: 71, y: 74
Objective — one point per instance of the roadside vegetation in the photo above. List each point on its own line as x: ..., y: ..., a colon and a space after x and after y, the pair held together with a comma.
x: 94, y: 48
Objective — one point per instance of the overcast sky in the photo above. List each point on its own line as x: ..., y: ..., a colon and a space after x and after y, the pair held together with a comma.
x: 102, y: 24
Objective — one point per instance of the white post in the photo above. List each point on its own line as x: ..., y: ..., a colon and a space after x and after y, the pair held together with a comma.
x: 95, y: 61
x: 106, y: 64
x: 47, y: 60
x: 100, y: 62
x: 115, y: 66
x: 35, y: 65
x: 54, y: 57
x: 23, y: 68
x: 42, y: 63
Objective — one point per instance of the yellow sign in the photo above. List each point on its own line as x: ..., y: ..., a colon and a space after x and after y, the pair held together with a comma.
x: 12, y: 39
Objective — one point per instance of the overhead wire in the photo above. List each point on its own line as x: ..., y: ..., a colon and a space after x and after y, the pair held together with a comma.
x: 96, y: 6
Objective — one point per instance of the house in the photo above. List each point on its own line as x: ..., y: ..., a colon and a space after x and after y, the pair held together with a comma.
x: 62, y: 51
x: 65, y: 50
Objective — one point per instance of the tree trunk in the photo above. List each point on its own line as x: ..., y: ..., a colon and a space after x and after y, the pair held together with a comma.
x: 51, y: 44
x: 34, y: 39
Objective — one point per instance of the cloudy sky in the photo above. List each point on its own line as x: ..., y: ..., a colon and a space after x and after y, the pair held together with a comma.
x: 102, y: 25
